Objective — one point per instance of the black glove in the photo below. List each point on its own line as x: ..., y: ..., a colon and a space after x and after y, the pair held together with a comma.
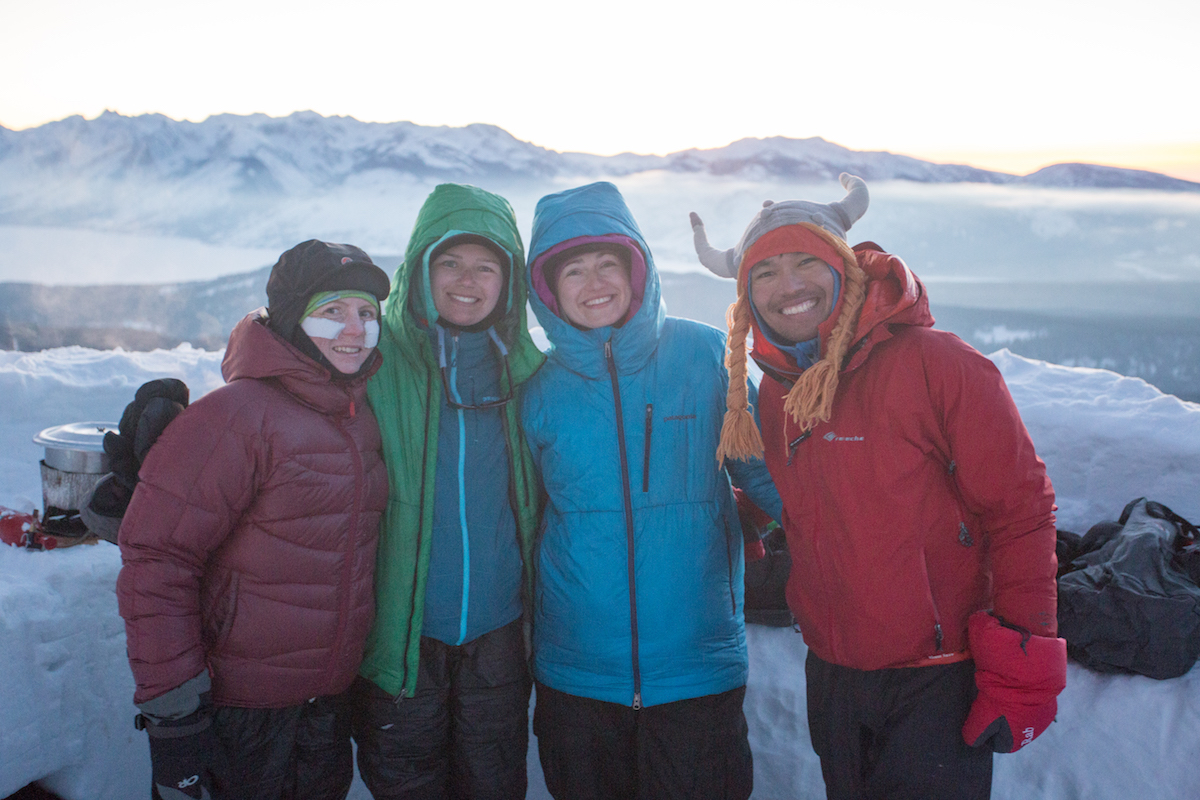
x: 183, y: 755
x: 154, y: 405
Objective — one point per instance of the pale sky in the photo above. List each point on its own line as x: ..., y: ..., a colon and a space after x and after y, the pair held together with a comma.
x: 1011, y: 86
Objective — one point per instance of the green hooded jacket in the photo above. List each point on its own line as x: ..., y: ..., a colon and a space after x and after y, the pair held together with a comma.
x: 406, y: 397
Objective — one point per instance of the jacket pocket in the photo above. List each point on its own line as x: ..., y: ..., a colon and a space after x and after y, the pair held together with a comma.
x: 219, y: 610
x: 937, y: 634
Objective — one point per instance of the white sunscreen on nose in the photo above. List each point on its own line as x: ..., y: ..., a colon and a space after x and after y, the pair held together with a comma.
x: 320, y: 328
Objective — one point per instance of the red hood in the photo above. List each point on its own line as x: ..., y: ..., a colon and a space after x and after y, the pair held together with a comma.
x: 255, y: 351
x: 895, y: 296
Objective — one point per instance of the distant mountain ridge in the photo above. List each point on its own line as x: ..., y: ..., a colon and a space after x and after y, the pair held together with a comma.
x: 261, y: 156
x: 263, y: 182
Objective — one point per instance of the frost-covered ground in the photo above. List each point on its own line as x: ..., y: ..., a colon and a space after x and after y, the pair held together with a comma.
x: 65, y: 688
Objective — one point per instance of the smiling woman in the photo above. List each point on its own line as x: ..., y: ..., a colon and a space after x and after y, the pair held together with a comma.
x: 466, y: 280
x: 592, y: 284
x: 454, y: 562
x: 262, y: 498
x: 622, y: 422
x: 344, y: 326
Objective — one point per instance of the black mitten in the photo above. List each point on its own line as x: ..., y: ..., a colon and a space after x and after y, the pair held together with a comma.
x: 183, y: 755
x: 154, y: 405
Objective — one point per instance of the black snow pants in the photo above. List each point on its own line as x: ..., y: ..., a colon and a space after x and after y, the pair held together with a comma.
x: 896, y: 734
x: 300, y: 752
x: 464, y: 734
x: 695, y: 749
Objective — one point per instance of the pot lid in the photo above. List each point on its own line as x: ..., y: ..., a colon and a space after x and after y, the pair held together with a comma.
x: 85, y: 436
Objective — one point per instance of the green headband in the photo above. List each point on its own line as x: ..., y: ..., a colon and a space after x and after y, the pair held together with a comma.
x: 323, y: 298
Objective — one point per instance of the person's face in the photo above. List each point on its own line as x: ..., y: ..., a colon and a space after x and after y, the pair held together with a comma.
x: 594, y: 290
x: 466, y: 280
x: 793, y: 293
x: 349, y: 351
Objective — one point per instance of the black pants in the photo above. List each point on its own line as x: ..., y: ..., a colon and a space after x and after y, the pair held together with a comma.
x: 465, y: 732
x: 895, y: 733
x: 296, y: 753
x: 593, y: 750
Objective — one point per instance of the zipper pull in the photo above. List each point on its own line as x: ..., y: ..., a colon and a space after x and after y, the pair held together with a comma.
x: 351, y: 408
x: 794, y: 443
x: 646, y: 454
x: 608, y: 351
x: 937, y: 636
x: 637, y: 701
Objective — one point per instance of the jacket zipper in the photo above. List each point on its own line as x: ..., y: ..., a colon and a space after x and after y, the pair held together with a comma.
x: 517, y: 507
x: 646, y: 455
x: 351, y: 547
x: 412, y: 602
x: 830, y: 628
x: 462, y: 499
x: 612, y: 374
x: 938, y: 635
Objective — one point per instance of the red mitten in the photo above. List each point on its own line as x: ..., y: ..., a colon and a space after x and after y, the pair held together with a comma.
x: 1019, y: 676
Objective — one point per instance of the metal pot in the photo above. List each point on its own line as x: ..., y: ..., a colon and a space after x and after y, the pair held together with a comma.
x: 77, y: 446
x: 74, y: 463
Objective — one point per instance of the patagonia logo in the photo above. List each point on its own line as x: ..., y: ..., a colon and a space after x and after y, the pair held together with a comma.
x: 833, y: 437
x: 680, y: 416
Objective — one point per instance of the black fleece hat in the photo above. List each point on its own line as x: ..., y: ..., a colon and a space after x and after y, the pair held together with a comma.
x: 316, y: 266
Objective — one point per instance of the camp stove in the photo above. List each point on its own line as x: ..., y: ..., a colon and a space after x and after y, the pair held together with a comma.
x: 74, y: 463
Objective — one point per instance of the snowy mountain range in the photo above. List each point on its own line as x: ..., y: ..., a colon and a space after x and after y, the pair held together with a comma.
x: 258, y: 154
x: 153, y: 174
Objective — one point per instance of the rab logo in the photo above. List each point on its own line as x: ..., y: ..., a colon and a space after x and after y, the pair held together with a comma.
x: 833, y: 437
x: 186, y: 782
x: 1028, y: 738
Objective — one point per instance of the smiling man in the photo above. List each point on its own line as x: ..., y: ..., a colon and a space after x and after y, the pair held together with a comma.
x: 919, y: 518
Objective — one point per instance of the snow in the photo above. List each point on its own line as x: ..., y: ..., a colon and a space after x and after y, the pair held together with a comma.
x: 66, y: 712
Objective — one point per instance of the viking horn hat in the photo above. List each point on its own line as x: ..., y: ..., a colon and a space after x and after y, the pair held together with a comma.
x: 835, y: 217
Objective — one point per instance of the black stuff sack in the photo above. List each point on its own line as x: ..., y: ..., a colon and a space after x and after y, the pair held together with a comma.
x: 1130, y: 600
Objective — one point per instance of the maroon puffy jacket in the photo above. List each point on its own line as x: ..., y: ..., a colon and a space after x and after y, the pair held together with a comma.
x: 249, y: 545
x: 920, y: 502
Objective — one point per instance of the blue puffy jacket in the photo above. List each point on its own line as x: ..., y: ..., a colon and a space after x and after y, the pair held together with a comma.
x: 640, y: 561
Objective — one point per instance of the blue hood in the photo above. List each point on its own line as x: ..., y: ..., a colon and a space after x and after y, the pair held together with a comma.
x: 597, y: 209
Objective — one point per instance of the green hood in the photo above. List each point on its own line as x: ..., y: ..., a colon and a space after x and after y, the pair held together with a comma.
x: 449, y: 210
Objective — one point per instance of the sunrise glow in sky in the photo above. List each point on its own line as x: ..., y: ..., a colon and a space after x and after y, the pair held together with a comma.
x: 1011, y: 86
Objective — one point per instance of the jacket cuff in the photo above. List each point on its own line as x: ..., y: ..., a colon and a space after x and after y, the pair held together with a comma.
x: 179, y: 702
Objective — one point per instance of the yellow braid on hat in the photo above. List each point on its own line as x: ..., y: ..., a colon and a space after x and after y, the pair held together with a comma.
x: 810, y: 399
x: 740, y: 438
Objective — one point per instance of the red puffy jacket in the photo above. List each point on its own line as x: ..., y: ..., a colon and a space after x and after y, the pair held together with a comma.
x: 249, y: 545
x: 920, y: 502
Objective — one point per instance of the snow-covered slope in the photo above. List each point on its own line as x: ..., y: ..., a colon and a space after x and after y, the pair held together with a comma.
x: 66, y: 712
